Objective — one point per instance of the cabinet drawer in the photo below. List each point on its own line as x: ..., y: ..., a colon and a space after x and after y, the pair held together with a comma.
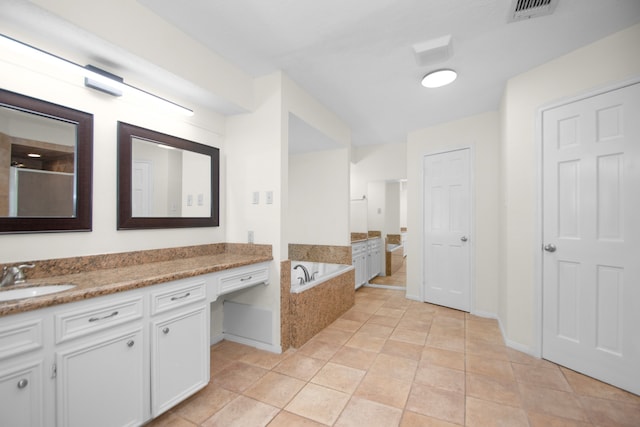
x: 358, y: 249
x: 243, y: 278
x: 177, y: 296
x: 96, y: 317
x: 20, y: 338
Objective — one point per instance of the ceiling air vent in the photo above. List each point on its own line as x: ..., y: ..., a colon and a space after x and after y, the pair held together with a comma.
x: 527, y: 9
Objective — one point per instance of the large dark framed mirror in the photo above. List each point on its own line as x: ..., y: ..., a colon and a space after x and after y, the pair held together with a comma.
x: 165, y: 181
x: 46, y: 158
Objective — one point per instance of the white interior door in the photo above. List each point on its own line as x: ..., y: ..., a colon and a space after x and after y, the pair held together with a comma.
x: 447, y: 224
x: 591, y: 235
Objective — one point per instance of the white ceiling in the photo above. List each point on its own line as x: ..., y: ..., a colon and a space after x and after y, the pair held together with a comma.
x: 355, y: 56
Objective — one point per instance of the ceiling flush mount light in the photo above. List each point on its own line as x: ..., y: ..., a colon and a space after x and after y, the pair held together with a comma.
x: 439, y: 78
x: 95, y: 78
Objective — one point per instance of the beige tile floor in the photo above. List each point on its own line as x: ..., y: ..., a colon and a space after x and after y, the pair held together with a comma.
x: 393, y: 362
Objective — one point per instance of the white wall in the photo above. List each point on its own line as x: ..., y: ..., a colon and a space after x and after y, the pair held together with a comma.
x: 258, y: 160
x: 254, y: 162
x: 327, y: 175
x: 376, y: 163
x: 481, y: 133
x: 603, y: 63
x: 393, y: 206
x: 376, y: 205
x: 29, y: 77
x: 317, y: 209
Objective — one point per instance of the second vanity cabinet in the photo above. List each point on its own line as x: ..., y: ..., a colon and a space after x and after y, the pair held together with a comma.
x: 99, y: 361
x: 114, y: 360
x: 179, y: 344
x: 101, y: 382
x: 359, y: 262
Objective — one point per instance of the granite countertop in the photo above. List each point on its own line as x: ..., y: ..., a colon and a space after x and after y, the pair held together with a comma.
x: 104, y: 281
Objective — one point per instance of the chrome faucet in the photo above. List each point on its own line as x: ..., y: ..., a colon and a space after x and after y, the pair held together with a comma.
x: 307, y: 278
x: 14, y: 275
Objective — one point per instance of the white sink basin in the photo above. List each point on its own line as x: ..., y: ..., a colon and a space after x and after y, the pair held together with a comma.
x: 33, y: 291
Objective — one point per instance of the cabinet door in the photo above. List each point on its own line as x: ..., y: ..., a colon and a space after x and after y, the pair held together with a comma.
x: 179, y: 358
x: 101, y: 381
x: 21, y: 395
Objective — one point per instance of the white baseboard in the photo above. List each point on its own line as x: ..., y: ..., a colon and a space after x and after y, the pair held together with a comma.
x: 414, y: 297
x: 487, y: 315
x: 216, y: 339
x: 252, y: 343
x: 515, y: 345
x: 393, y: 288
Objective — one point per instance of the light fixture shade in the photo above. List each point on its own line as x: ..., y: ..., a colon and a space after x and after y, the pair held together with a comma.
x: 95, y: 78
x: 439, y: 78
x: 103, y: 81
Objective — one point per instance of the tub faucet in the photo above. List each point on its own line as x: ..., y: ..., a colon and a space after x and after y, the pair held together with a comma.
x: 13, y: 275
x: 307, y: 278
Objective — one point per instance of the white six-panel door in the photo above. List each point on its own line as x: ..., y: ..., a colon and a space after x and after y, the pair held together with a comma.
x: 591, y: 236
x: 447, y: 222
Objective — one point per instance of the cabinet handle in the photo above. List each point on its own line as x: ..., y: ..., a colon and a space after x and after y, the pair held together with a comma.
x: 23, y: 383
x: 95, y: 319
x: 244, y: 279
x: 130, y: 343
x: 183, y: 296
x: 165, y: 330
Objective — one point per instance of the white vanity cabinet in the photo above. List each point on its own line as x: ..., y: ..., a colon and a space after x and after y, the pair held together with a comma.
x: 100, y: 362
x: 101, y: 382
x: 114, y: 360
x: 359, y: 262
x: 21, y: 394
x: 179, y: 343
x: 22, y: 363
x: 374, y: 258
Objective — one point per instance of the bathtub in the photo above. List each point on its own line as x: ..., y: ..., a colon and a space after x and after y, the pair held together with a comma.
x: 392, y: 247
x: 320, y: 271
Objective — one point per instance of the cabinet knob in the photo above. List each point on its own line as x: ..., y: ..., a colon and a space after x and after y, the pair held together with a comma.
x: 130, y: 343
x: 23, y: 383
x: 165, y: 330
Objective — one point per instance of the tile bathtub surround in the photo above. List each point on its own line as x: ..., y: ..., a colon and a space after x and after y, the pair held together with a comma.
x: 304, y: 314
x: 316, y: 308
x: 320, y: 253
x: 285, y: 310
x: 394, y: 239
x: 356, y: 237
x: 390, y: 362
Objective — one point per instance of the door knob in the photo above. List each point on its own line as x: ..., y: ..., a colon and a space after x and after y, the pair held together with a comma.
x: 550, y: 247
x: 464, y: 238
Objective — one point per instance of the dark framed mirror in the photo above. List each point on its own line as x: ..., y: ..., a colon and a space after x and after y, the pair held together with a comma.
x: 46, y: 163
x: 165, y: 181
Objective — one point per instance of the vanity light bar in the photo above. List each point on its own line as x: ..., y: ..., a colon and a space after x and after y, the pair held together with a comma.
x: 94, y: 77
